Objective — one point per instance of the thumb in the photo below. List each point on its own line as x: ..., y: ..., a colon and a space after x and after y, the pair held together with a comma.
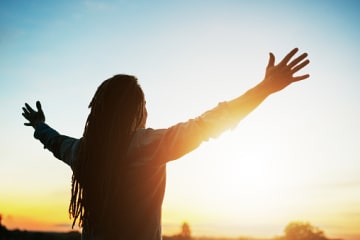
x: 271, y: 60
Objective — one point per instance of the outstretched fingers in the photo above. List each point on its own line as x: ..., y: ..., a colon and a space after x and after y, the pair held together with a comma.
x: 34, y: 117
x: 28, y: 108
x: 25, y: 112
x: 299, y: 78
x: 297, y: 60
x: 26, y: 115
x: 300, y: 66
x: 297, y: 64
x: 38, y: 106
x: 287, y: 58
x: 28, y: 124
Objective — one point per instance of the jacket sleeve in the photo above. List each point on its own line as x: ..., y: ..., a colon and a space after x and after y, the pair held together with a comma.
x: 158, y: 146
x: 62, y: 147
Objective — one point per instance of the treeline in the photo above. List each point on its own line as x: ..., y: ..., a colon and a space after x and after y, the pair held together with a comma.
x: 6, y: 234
x: 293, y: 231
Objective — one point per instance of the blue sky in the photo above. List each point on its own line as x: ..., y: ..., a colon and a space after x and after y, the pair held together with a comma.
x: 299, y: 150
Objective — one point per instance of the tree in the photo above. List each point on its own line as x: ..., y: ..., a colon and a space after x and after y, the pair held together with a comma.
x: 303, y: 231
x: 185, y: 231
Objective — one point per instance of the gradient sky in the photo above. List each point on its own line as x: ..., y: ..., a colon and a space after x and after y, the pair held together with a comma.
x: 295, y: 158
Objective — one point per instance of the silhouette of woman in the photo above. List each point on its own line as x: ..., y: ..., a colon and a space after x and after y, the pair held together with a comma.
x: 119, y: 165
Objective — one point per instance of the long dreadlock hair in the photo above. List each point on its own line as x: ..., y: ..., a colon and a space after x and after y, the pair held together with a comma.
x: 116, y: 112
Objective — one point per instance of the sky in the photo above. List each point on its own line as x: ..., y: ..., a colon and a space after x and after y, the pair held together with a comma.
x: 295, y: 158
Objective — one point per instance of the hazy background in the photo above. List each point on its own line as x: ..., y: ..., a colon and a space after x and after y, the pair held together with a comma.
x: 297, y: 157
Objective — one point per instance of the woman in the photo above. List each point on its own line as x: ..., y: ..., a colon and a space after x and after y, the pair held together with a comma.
x: 119, y: 166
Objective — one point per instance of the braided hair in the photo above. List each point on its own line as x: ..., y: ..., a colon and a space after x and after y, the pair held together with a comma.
x: 117, y: 110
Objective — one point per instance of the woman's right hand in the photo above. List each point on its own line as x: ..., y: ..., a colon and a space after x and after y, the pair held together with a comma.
x: 34, y: 117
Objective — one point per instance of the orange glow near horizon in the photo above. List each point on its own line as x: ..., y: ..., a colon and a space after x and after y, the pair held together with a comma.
x: 348, y: 230
x: 45, y: 216
x: 32, y: 224
x: 35, y: 213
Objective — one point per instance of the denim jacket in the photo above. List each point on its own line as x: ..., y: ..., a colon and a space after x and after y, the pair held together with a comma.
x: 149, y: 151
